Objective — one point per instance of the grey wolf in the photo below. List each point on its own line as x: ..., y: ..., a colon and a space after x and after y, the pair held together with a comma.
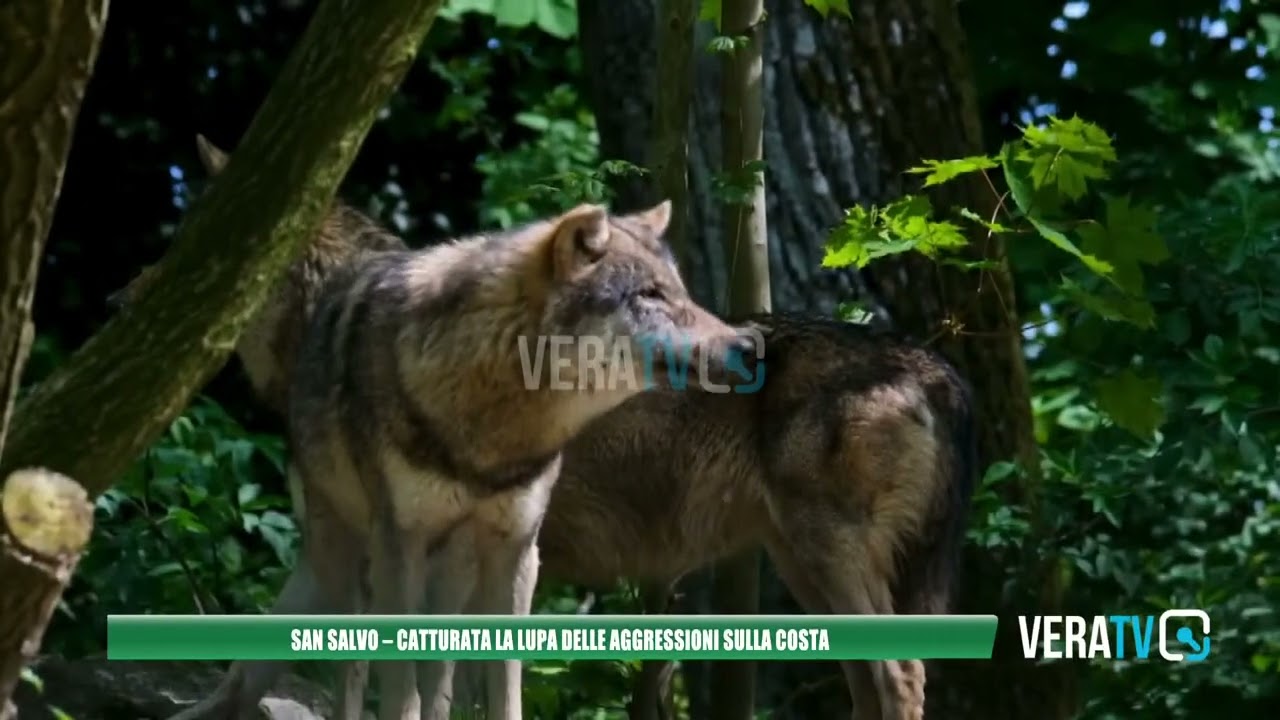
x: 412, y: 424
x: 416, y: 441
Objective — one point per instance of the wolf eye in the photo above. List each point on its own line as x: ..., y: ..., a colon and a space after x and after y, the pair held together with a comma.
x: 651, y: 293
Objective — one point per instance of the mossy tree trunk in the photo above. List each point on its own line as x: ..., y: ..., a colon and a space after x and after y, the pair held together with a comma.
x: 849, y: 105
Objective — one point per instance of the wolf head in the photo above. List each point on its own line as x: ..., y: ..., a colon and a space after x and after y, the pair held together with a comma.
x: 618, y: 294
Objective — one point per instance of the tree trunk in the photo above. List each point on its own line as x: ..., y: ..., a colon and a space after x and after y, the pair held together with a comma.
x: 736, y: 581
x: 651, y: 696
x: 45, y: 520
x: 670, y: 150
x: 850, y: 105
x: 130, y: 380
x: 812, y: 173
x: 47, y: 53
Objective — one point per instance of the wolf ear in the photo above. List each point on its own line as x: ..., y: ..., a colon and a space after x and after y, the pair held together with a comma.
x: 656, y: 218
x: 212, y: 157
x: 579, y: 240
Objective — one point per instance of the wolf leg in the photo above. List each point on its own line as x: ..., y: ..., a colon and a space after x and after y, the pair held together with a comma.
x: 341, y: 568
x: 452, y: 573
x: 862, y: 691
x: 397, y: 579
x: 508, y: 574
x: 835, y: 558
x: 651, y: 694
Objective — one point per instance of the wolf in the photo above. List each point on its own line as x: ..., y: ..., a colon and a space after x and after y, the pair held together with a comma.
x: 417, y: 439
x: 853, y: 467
x: 414, y: 429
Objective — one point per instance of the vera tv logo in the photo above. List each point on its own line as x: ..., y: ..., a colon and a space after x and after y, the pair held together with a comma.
x: 1120, y: 637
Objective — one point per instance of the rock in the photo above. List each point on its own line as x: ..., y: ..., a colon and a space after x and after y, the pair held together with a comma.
x: 99, y: 689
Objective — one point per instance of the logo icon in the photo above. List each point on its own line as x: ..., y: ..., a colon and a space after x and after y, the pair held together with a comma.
x: 1185, y: 636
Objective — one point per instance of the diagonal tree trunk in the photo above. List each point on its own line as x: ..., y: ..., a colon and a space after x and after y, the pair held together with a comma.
x: 127, y: 383
x: 849, y: 105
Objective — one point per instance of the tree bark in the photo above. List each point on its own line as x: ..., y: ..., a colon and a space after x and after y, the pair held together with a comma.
x: 813, y: 172
x: 130, y: 380
x: 47, y: 53
x: 736, y: 581
x: 669, y: 154
x: 45, y: 521
x: 850, y: 105
x: 651, y: 696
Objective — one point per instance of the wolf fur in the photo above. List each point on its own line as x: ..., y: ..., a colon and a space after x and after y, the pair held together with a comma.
x: 853, y: 466
x: 411, y: 420
x: 416, y: 439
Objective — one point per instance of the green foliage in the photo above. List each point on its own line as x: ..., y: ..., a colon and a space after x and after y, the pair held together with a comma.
x: 1186, y: 516
x: 1048, y: 170
x: 192, y: 527
x: 558, y: 18
x: 556, y: 169
x: 899, y: 227
x: 825, y: 7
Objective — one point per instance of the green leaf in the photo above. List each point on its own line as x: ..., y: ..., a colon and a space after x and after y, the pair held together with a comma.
x: 1269, y: 23
x: 558, y: 18
x: 515, y: 13
x: 994, y: 227
x: 1073, y: 135
x: 1126, y: 241
x: 29, y: 676
x: 854, y: 312
x: 1065, y: 154
x: 1112, y: 304
x: 1209, y: 404
x: 1062, y: 242
x: 1133, y: 228
x: 940, y: 171
x: 901, y: 226
x: 824, y: 7
x: 1132, y: 402
x: 710, y: 11
x: 1018, y: 189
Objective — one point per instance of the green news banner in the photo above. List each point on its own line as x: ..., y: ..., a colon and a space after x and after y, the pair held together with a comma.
x: 547, y: 637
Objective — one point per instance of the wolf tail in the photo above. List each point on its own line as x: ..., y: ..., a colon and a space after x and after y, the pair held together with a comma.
x: 930, y: 564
